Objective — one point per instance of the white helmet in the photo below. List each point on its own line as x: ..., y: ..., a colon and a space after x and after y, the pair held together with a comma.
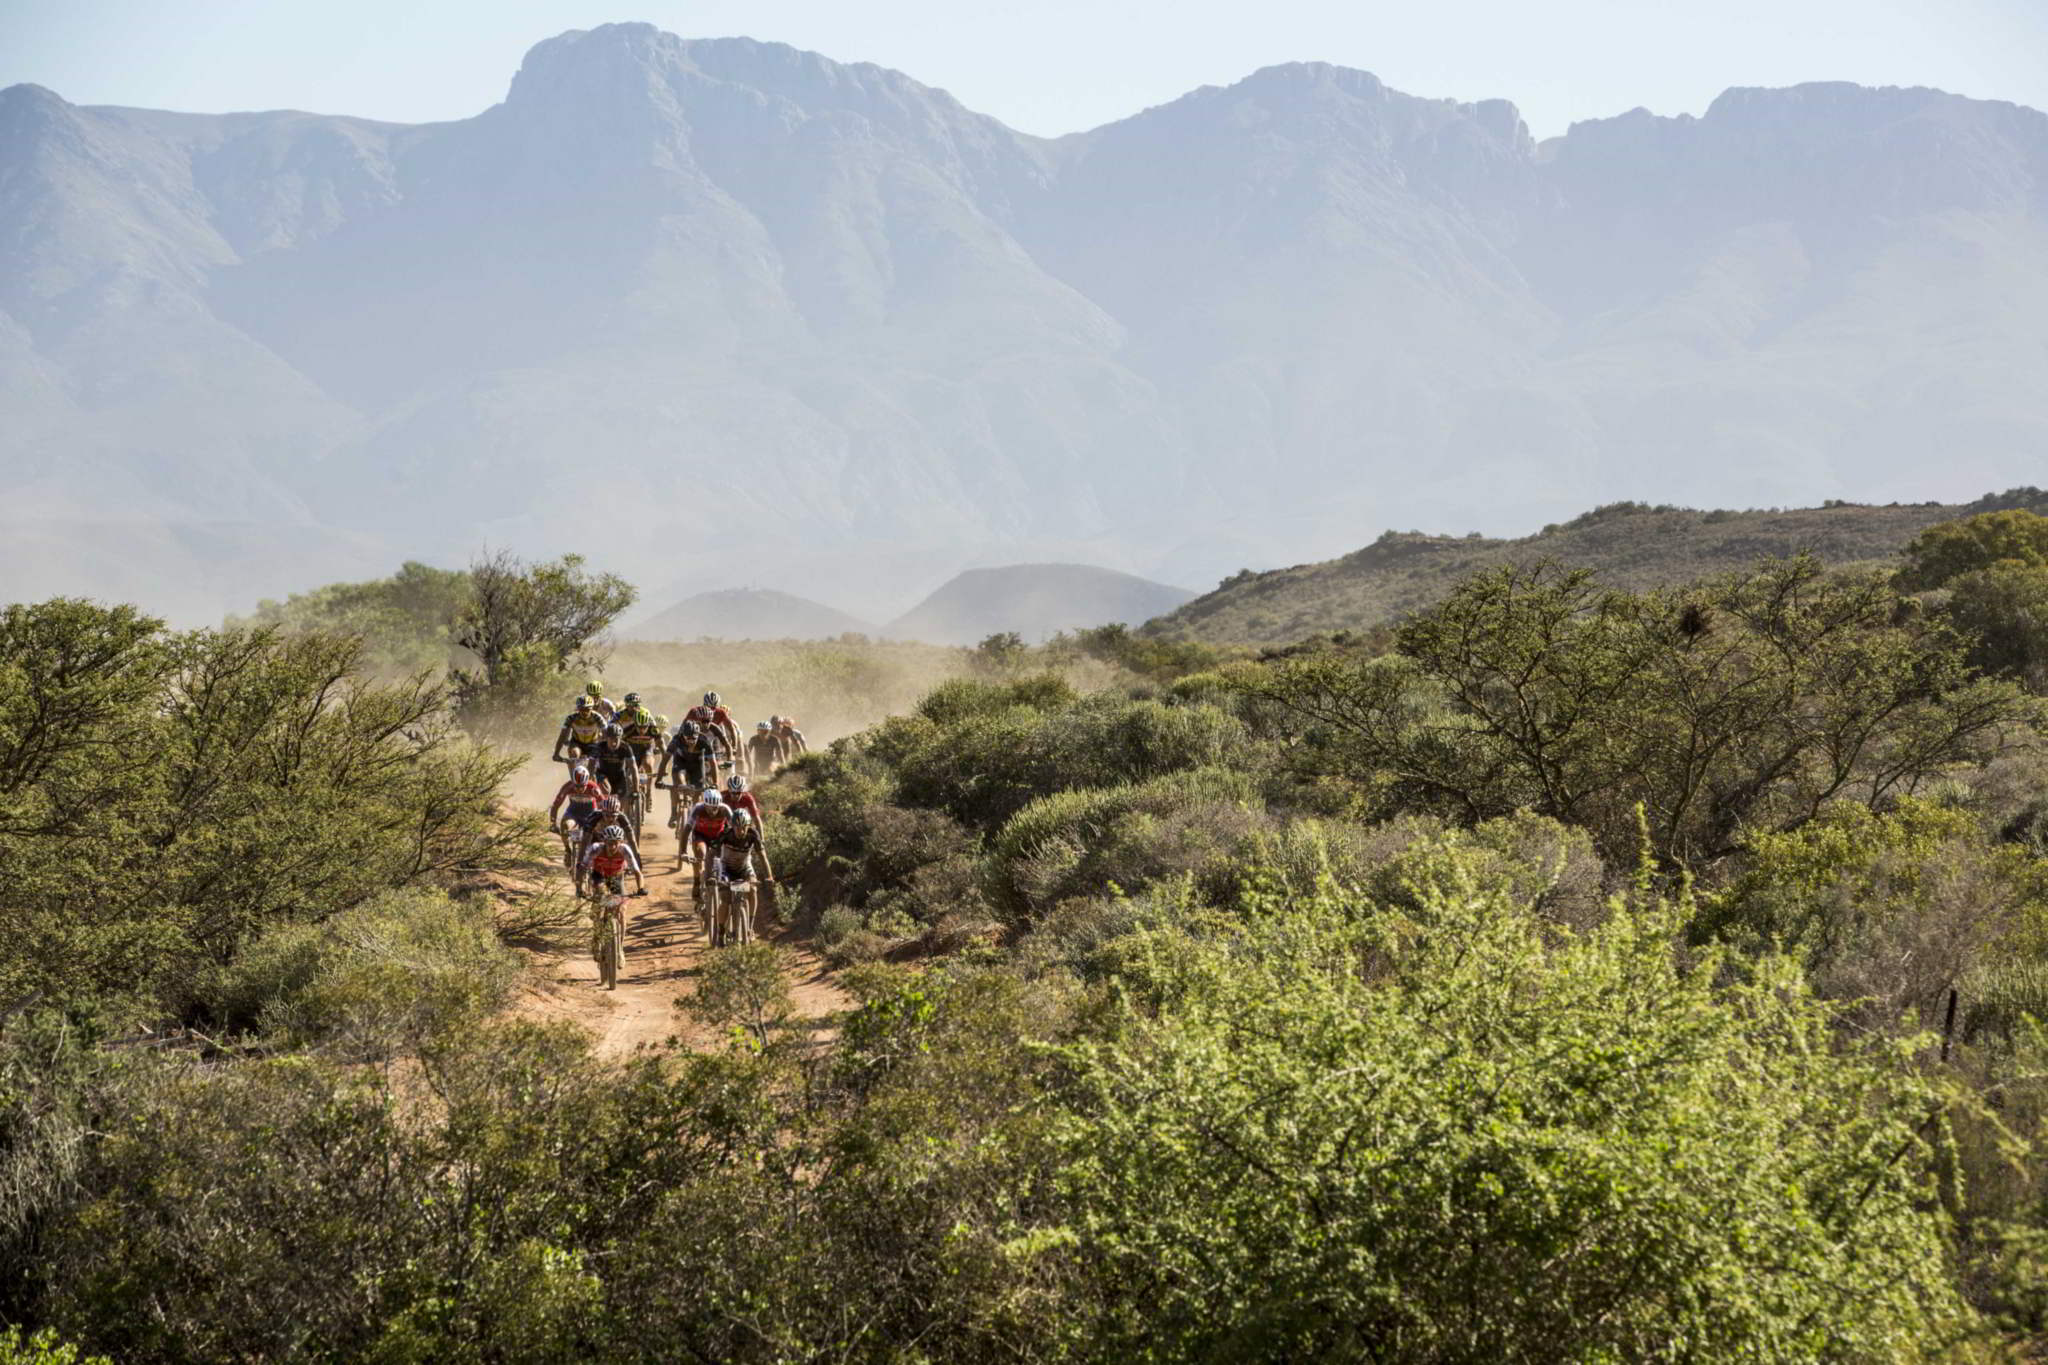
x: 612, y: 834
x: 712, y: 798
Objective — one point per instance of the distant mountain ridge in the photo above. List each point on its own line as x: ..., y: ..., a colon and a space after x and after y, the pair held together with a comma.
x: 1627, y: 545
x: 1035, y: 601
x: 1282, y: 314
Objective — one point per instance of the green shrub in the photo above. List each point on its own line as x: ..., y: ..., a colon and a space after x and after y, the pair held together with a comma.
x: 1079, y: 843
x: 794, y: 846
x: 405, y: 968
x: 42, y: 1348
x: 1887, y: 909
x: 1336, y: 1133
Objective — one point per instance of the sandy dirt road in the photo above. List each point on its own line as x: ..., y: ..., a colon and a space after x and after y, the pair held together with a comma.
x: 665, y: 946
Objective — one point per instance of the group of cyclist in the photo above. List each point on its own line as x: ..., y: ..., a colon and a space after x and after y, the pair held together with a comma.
x: 611, y: 753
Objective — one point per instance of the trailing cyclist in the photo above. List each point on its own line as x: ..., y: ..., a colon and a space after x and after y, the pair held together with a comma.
x: 694, y: 754
x: 605, y: 863
x: 705, y: 825
x: 793, y: 743
x: 741, y: 800
x: 640, y: 729
x: 712, y: 715
x: 580, y: 794
x: 582, y: 727
x: 764, y: 750
x: 614, y: 763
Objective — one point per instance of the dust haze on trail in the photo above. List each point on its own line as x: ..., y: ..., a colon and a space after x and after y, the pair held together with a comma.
x: 833, y: 688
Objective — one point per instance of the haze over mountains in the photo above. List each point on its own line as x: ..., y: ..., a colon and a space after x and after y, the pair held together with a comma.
x: 242, y: 354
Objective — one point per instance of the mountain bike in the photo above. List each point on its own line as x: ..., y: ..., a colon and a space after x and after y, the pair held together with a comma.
x: 608, y: 937
x: 634, y: 807
x: 733, y: 910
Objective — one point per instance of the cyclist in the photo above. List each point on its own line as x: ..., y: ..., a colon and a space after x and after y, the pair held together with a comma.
x: 764, y: 750
x: 582, y: 727
x: 792, y: 739
x: 712, y: 715
x: 580, y: 794
x: 605, y: 862
x: 737, y: 849
x: 595, y: 691
x: 614, y: 764
x: 706, y: 824
x: 640, y: 730
x: 694, y: 754
x: 740, y: 799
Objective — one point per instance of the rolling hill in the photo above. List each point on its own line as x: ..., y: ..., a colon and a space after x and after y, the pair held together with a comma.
x: 1628, y: 545
x: 1033, y: 600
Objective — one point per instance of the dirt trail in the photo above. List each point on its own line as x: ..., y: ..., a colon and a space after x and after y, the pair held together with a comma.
x: 665, y: 944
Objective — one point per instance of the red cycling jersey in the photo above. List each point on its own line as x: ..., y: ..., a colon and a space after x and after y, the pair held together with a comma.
x: 580, y: 793
x: 709, y: 825
x: 708, y: 716
x: 745, y: 801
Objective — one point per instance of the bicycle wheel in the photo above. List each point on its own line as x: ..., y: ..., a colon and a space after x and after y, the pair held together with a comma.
x: 616, y: 952
x: 600, y: 944
x: 743, y: 915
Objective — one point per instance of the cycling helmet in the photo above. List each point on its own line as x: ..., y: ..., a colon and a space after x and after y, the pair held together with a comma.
x: 711, y: 699
x: 582, y: 701
x: 580, y: 773
x: 632, y: 699
x: 712, y: 798
x: 692, y: 729
x: 775, y: 720
x: 613, y: 834
x: 661, y: 722
x: 613, y: 731
x: 736, y: 783
x: 593, y: 688
x: 742, y: 818
x: 762, y: 725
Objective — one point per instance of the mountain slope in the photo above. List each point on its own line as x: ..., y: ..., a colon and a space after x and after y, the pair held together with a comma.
x: 1282, y: 314
x: 1033, y: 600
x: 1627, y: 545
x: 748, y: 614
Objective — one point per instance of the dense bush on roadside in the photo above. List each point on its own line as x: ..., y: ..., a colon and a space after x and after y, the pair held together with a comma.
x: 165, y: 798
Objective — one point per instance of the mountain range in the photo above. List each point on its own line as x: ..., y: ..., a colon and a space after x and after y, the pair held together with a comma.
x: 717, y: 311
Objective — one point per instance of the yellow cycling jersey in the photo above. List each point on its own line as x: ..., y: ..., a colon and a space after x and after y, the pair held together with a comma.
x: 584, y: 727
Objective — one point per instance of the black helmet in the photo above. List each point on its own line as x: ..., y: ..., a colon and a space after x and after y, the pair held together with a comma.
x: 692, y: 729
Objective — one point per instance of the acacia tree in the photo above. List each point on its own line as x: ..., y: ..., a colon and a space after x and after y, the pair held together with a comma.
x: 530, y: 626
x: 1746, y: 702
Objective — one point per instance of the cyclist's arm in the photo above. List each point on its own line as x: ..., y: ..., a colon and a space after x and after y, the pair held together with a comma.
x: 560, y: 740
x: 767, y: 868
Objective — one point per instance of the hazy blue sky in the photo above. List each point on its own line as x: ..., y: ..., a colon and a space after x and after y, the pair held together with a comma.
x: 1046, y: 67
